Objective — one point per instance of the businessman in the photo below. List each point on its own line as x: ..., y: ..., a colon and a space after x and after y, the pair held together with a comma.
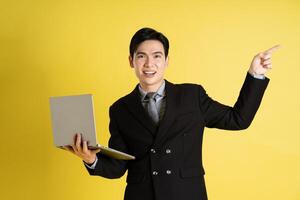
x: 162, y: 125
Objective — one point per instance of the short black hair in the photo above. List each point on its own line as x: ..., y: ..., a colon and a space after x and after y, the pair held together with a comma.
x: 147, y: 34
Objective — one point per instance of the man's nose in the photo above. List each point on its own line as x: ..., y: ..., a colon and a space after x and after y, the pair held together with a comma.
x: 149, y: 62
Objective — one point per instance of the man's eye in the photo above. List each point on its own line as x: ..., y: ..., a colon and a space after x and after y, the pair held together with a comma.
x: 157, y: 56
x: 140, y: 56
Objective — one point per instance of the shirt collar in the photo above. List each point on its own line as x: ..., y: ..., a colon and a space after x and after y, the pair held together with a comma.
x: 160, y: 92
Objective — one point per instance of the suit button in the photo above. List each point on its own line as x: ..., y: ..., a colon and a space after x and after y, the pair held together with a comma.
x: 154, y: 173
x: 168, y: 172
x: 152, y: 150
x: 168, y: 151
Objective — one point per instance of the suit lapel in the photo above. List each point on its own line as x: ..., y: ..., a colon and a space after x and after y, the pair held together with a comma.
x: 133, y: 102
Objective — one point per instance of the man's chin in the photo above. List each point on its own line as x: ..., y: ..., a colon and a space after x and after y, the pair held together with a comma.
x: 150, y: 83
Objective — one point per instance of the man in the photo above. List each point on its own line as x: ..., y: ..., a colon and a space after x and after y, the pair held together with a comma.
x: 162, y: 125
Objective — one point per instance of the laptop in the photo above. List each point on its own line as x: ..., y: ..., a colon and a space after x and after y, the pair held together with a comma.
x: 75, y: 114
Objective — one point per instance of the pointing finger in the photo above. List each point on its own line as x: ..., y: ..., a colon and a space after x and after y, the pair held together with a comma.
x: 271, y: 50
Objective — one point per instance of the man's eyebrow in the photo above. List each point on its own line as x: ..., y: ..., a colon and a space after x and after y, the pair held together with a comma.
x: 144, y: 53
x: 140, y: 52
x: 158, y: 52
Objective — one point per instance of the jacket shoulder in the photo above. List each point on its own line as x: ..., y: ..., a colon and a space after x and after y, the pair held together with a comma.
x: 121, y: 101
x: 189, y: 87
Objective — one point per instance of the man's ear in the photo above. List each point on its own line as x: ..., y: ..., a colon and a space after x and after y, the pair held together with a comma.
x: 167, y: 61
x: 130, y: 61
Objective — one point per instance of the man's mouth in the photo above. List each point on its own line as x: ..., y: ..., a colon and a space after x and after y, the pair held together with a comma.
x: 149, y: 73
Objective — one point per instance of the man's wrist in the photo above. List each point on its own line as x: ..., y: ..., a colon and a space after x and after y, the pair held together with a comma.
x: 90, y: 162
x: 257, y: 76
x: 93, y: 165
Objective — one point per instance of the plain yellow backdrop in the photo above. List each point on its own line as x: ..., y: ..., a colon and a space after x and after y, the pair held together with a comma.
x: 64, y: 47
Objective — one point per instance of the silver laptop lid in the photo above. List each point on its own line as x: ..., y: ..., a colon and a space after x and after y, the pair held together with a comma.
x: 71, y: 115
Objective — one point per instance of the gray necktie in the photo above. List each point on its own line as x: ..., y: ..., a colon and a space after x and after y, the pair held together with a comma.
x: 151, y: 107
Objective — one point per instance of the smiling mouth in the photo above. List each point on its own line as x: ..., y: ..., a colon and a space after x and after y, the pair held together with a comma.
x: 149, y: 73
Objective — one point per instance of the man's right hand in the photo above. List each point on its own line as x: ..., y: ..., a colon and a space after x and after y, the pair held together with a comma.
x: 80, y: 149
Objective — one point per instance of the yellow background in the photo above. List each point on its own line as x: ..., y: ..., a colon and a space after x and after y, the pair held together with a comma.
x: 64, y: 47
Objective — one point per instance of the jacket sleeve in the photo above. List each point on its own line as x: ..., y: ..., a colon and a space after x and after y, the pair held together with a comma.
x: 239, y: 116
x: 106, y: 166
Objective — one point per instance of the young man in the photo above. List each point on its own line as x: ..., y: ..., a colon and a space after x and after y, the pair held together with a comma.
x: 162, y: 125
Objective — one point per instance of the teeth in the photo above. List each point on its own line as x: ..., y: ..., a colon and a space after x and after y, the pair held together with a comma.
x: 149, y: 72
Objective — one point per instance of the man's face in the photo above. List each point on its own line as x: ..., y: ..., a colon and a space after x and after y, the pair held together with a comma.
x: 149, y: 62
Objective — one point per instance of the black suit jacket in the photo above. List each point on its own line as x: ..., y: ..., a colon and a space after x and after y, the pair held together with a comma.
x: 168, y: 163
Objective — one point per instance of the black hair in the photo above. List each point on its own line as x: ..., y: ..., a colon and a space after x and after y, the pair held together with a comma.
x: 148, y: 34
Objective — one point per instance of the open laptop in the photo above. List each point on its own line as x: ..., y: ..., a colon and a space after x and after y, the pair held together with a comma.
x: 75, y: 114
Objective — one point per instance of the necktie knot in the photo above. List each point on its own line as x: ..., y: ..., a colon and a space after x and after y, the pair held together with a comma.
x: 150, y: 95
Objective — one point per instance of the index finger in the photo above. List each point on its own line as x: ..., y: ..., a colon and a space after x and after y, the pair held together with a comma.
x: 274, y: 48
